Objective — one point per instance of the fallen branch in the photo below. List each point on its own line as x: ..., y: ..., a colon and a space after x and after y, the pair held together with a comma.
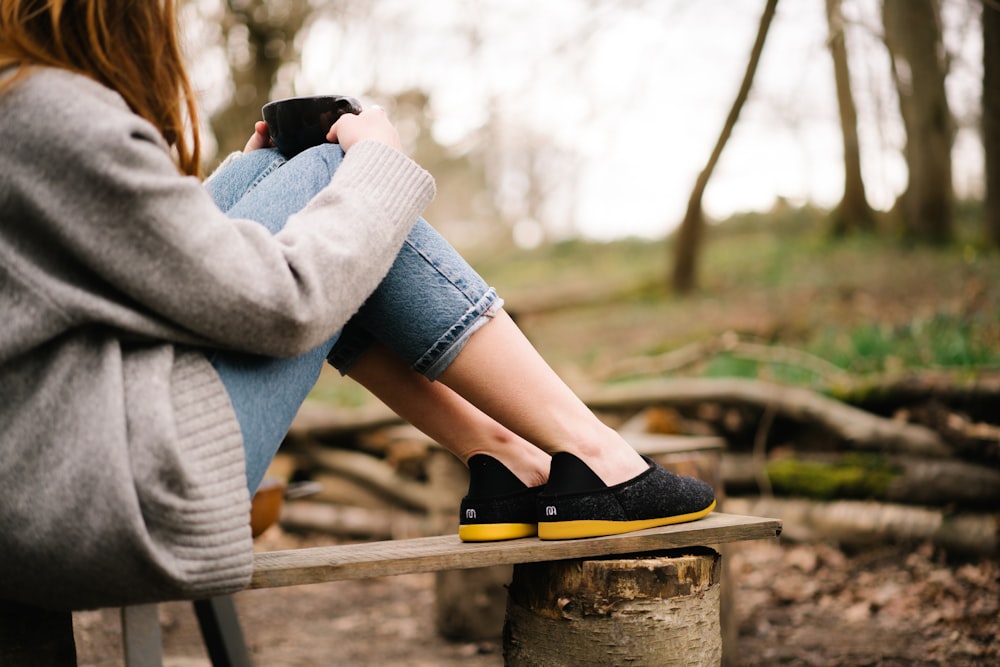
x: 728, y: 343
x: 856, y: 427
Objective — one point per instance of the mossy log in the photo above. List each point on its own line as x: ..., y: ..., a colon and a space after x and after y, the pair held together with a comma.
x: 858, y: 475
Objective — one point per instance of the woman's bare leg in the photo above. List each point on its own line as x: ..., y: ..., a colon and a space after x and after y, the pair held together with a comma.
x: 500, y: 372
x: 499, y: 397
x: 446, y: 417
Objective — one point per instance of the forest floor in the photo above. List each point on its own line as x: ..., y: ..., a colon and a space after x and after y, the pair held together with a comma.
x: 809, y: 605
x: 862, y: 305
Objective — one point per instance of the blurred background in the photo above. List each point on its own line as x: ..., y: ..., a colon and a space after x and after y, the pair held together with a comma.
x: 593, y: 118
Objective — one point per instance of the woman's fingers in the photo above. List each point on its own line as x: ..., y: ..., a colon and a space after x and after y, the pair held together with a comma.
x: 261, y: 138
x: 372, y: 123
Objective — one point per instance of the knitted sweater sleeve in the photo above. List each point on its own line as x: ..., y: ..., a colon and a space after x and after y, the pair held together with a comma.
x: 147, y: 251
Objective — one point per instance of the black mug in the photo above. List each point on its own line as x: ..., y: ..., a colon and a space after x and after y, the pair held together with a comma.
x: 298, y: 123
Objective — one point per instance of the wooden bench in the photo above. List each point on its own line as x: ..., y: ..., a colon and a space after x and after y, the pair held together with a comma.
x: 44, y: 641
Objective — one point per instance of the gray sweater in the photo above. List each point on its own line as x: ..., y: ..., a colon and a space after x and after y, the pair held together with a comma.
x: 121, y: 462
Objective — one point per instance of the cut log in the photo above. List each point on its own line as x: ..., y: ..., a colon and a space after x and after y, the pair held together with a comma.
x: 316, y: 419
x: 373, y: 473
x: 864, y: 523
x: 624, y: 611
x: 855, y: 427
x: 342, y: 490
x: 353, y: 522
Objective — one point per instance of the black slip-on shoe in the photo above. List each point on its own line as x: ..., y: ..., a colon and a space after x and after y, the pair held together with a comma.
x: 576, y: 503
x: 498, y: 506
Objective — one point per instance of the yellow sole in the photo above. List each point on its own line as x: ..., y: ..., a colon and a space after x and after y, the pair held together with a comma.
x: 495, y: 532
x: 573, y: 530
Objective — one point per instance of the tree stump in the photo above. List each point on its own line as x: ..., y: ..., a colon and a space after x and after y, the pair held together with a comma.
x: 643, y: 610
x: 701, y: 458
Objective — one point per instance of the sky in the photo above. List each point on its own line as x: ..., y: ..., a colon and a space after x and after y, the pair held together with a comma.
x: 637, y: 93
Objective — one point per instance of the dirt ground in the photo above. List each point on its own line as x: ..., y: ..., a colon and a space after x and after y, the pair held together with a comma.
x: 796, y: 604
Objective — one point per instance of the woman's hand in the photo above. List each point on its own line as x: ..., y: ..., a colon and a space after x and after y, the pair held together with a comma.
x: 261, y: 138
x: 372, y: 123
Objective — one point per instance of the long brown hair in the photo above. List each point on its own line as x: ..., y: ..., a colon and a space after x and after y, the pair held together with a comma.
x: 130, y: 46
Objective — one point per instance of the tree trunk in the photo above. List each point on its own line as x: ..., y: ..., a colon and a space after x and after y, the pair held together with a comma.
x: 689, y: 234
x: 991, y: 118
x: 634, y: 611
x: 854, y: 212
x: 913, y: 37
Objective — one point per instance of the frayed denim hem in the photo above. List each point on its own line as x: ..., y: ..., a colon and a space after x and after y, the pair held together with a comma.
x: 434, y: 362
x: 353, y: 343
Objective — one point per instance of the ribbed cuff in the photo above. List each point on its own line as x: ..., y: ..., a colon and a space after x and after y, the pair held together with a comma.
x: 203, y: 519
x: 377, y: 170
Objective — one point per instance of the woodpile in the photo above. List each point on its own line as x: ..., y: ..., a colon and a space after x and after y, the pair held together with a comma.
x: 904, y: 458
x: 913, y: 458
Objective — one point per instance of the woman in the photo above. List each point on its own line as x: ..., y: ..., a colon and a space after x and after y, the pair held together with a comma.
x: 160, y: 334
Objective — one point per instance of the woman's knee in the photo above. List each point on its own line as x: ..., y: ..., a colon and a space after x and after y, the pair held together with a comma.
x: 286, y: 189
x: 305, y: 175
x: 323, y: 160
x: 236, y: 177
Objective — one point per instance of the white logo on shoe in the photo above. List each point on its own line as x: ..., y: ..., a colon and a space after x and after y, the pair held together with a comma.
x: 550, y: 510
x: 470, y: 514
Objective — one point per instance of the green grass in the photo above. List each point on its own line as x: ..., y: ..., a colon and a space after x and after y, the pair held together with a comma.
x: 865, y: 304
x: 860, y: 305
x: 943, y: 340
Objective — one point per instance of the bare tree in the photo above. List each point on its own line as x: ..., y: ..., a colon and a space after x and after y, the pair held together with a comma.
x: 913, y: 36
x: 854, y: 213
x: 991, y: 116
x: 689, y: 235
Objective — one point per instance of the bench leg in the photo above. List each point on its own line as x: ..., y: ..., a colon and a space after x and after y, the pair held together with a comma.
x: 31, y: 637
x: 141, y: 636
x: 220, y: 628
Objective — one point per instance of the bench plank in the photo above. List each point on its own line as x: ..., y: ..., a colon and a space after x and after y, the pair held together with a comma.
x: 431, y: 554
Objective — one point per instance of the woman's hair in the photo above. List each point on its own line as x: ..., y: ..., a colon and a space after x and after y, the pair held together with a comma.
x: 130, y: 46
